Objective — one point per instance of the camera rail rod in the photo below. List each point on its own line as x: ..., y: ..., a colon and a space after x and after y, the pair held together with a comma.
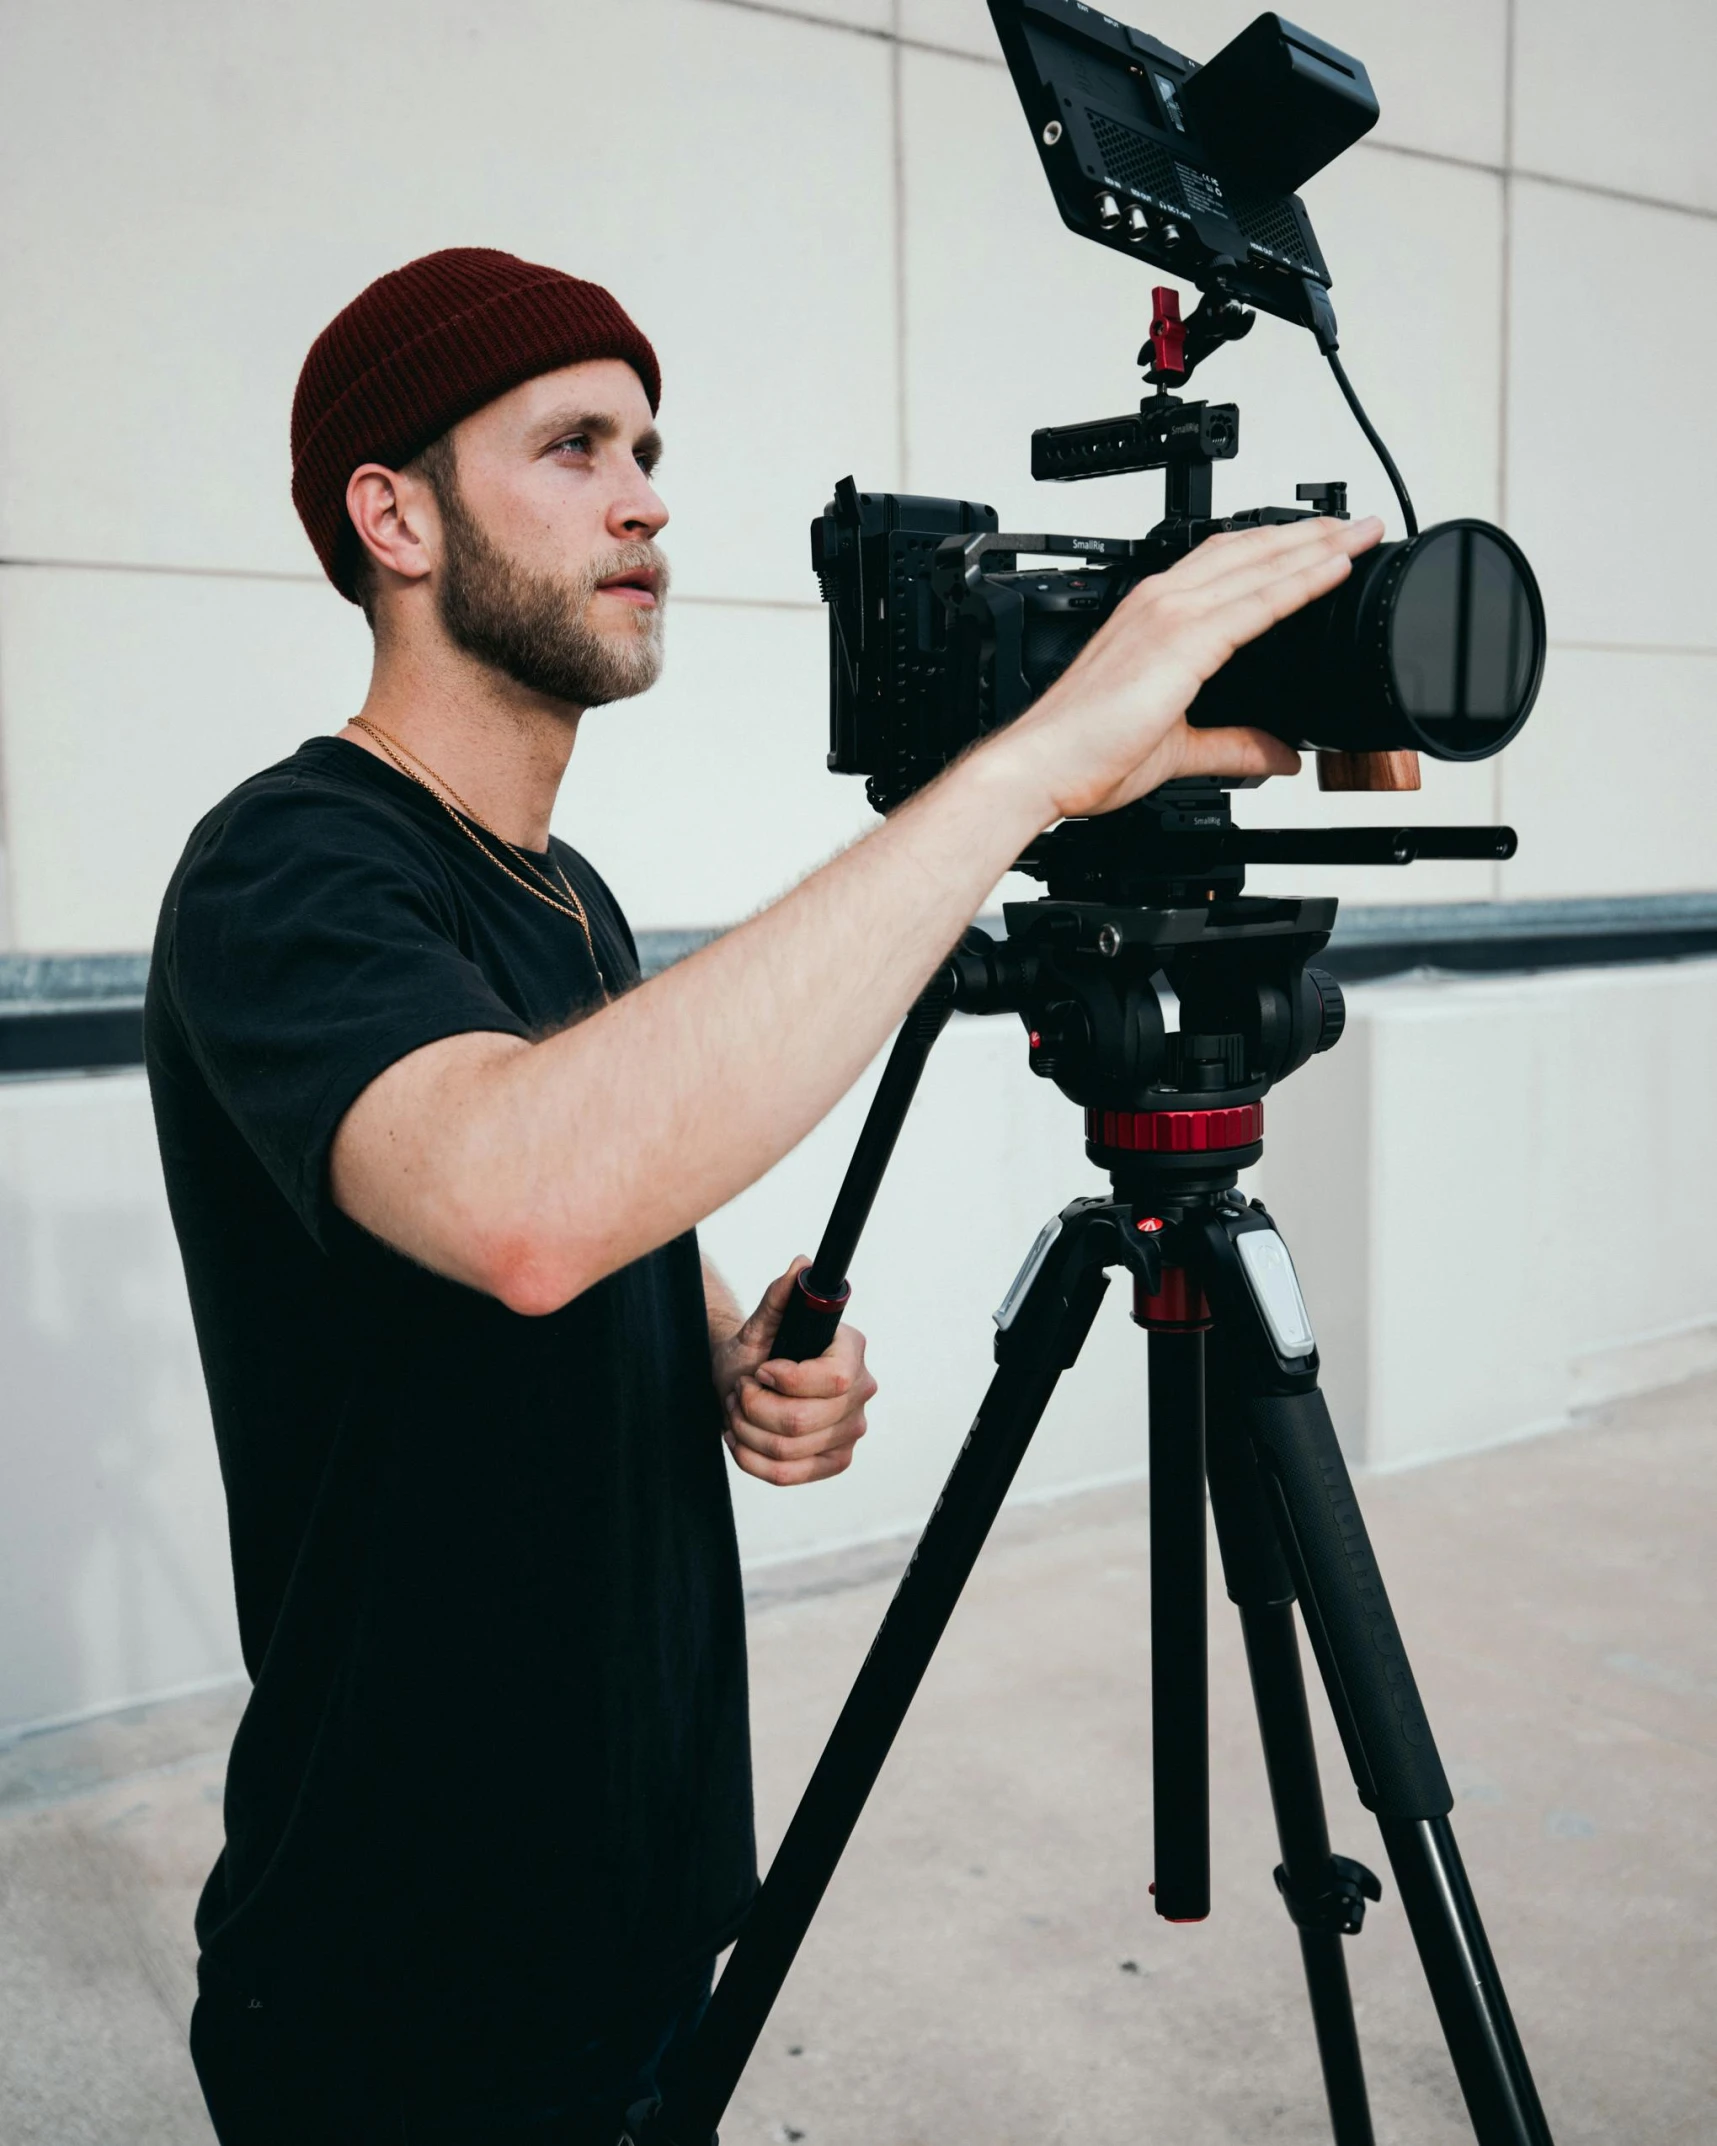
x: 1332, y: 845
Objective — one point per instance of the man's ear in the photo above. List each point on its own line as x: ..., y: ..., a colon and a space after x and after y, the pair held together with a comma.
x: 394, y: 515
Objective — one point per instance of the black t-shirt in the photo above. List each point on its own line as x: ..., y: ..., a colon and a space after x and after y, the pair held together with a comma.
x: 494, y: 1774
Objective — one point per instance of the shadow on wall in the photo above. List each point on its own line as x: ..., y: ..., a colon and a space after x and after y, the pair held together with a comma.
x: 114, y: 1575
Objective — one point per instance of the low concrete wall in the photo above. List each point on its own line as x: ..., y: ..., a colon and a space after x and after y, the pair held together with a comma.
x: 1495, y: 1192
x: 114, y: 1581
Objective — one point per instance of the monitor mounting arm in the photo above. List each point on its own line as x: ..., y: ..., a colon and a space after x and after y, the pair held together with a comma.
x: 1175, y: 347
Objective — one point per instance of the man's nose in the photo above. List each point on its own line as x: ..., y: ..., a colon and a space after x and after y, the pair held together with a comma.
x: 638, y: 512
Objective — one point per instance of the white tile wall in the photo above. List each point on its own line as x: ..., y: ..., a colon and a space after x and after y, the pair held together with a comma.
x: 875, y: 16
x: 188, y: 192
x: 131, y: 703
x: 189, y: 195
x: 1612, y: 427
x: 709, y: 797
x: 1611, y: 782
x: 1466, y: 1218
x: 1619, y: 100
x: 114, y: 1576
x: 1011, y: 322
x: 1438, y: 71
x: 134, y: 701
x: 953, y: 25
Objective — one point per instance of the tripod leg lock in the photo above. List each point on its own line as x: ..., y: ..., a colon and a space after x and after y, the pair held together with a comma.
x: 1339, y: 1908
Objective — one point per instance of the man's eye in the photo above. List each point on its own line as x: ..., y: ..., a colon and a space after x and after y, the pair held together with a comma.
x: 579, y: 442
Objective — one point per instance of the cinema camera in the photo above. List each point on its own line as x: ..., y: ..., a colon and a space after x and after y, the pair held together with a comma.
x: 938, y: 635
x: 1166, y: 1003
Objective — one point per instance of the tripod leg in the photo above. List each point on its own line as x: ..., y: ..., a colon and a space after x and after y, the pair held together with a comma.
x: 1471, y: 2005
x: 1180, y: 1691
x: 1366, y: 1673
x: 1278, y: 1688
x: 1394, y: 1760
x: 1048, y: 1314
x: 1309, y: 1878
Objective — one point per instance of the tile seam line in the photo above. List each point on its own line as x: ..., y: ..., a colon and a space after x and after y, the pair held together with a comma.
x: 867, y: 31
x: 1505, y: 353
x: 282, y: 574
x: 712, y: 603
x: 1407, y: 149
x: 151, y: 566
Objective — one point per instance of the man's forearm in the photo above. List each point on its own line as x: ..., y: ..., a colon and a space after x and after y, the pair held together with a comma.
x: 612, y: 1138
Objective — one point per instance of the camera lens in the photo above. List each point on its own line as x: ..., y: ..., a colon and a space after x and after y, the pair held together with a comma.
x: 1464, y: 634
x: 1435, y: 645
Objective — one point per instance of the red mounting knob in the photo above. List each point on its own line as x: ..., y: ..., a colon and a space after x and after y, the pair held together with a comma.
x: 1175, y: 1132
x: 1168, y: 331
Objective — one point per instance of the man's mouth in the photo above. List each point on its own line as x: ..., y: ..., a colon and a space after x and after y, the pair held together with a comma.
x: 636, y: 586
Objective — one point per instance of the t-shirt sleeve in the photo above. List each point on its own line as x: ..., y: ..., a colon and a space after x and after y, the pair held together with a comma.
x: 311, y: 944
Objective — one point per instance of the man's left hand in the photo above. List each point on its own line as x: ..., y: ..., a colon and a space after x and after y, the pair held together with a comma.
x: 785, y: 1422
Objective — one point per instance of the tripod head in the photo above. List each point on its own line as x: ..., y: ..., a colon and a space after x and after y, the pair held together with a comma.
x: 1168, y: 1025
x: 1161, y: 998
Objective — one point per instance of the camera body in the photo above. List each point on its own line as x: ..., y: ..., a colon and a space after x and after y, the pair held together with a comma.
x: 938, y: 635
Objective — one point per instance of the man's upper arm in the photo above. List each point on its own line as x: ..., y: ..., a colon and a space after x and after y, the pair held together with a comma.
x: 408, y: 1159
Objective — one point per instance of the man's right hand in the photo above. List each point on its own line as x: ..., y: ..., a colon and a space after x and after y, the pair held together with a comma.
x: 1114, y: 725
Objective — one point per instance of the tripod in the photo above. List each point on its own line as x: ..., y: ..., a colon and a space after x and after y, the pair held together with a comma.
x: 1169, y: 1023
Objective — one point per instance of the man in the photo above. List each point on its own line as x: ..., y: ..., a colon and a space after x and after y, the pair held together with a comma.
x: 436, y: 1161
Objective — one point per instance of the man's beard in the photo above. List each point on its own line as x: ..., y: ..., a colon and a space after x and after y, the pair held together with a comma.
x: 535, y: 627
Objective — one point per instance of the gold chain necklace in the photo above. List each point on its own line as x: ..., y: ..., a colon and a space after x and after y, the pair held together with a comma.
x: 467, y: 822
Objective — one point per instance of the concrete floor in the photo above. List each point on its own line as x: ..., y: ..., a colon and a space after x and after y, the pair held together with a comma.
x: 987, y: 1966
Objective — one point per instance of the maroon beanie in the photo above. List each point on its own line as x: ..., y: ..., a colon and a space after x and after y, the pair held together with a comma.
x: 424, y: 347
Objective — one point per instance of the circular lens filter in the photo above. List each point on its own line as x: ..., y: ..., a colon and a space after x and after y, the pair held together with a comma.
x: 1464, y: 639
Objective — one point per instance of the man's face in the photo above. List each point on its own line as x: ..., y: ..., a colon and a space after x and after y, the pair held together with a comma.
x: 548, y: 568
